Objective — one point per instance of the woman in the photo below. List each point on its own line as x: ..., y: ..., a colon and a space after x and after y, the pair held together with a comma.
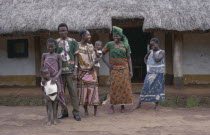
x: 120, y: 69
x: 153, y: 89
x: 53, y: 62
x: 87, y: 76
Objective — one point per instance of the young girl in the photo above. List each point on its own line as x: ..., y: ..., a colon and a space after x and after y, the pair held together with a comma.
x: 153, y: 89
x: 87, y: 76
x: 53, y: 62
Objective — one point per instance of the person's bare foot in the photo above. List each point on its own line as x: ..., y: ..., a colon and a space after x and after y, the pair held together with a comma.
x: 95, y: 110
x: 138, y: 106
x: 156, y: 105
x: 122, y: 110
x: 55, y: 122
x: 48, y: 123
x: 111, y: 110
x: 86, y: 113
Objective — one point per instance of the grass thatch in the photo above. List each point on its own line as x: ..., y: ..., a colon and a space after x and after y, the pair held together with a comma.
x: 35, y: 15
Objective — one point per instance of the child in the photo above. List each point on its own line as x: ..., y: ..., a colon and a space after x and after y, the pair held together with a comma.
x: 98, y: 51
x: 50, y: 93
x: 52, y: 61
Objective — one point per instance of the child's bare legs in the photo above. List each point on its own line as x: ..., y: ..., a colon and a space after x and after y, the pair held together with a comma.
x: 86, y: 109
x: 95, y: 110
x: 55, y: 112
x: 49, y: 112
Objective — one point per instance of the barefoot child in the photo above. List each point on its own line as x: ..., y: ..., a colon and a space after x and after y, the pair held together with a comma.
x: 52, y: 61
x: 50, y: 93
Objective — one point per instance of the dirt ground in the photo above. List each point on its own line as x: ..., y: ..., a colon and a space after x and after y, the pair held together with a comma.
x: 24, y: 120
x: 199, y: 90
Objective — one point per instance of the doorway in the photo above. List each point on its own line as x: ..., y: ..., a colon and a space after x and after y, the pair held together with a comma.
x: 138, y: 41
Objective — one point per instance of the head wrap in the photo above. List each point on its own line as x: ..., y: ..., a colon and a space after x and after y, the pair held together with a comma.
x: 118, y: 31
x: 155, y: 40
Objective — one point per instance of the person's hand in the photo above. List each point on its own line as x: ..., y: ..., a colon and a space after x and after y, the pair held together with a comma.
x: 96, y: 61
x: 110, y: 66
x: 75, y: 73
x: 131, y: 74
x: 43, y: 82
x: 47, y: 98
x: 53, y: 80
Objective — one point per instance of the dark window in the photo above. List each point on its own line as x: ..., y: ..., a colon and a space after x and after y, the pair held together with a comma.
x: 17, y: 48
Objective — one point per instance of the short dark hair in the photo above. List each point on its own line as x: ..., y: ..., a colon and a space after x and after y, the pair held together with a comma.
x: 44, y: 69
x: 82, y: 32
x: 156, y: 40
x: 62, y: 25
x: 51, y: 41
x: 99, y: 42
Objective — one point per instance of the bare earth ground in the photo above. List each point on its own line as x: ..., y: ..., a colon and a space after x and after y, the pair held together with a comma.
x: 25, y: 120
x: 199, y: 90
x: 145, y: 121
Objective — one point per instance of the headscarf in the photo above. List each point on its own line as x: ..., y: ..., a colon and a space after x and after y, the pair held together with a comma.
x: 118, y: 31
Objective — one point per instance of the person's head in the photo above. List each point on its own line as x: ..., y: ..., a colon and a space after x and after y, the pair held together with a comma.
x: 98, y: 45
x: 51, y: 45
x: 63, y: 30
x: 45, y: 73
x: 154, y: 43
x: 117, y: 34
x: 85, y: 35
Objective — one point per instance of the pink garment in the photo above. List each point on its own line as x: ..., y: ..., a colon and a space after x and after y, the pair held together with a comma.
x: 87, y: 76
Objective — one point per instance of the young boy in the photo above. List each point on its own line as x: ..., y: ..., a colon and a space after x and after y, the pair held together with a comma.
x: 98, y: 50
x: 50, y: 93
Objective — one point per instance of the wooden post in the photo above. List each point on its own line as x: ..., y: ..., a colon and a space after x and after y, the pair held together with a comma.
x: 37, y: 46
x: 169, y: 58
x: 177, y: 61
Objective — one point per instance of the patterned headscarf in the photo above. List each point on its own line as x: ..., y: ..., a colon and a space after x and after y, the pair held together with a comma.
x: 118, y: 31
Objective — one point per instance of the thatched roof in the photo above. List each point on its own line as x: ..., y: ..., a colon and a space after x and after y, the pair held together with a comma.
x: 35, y: 15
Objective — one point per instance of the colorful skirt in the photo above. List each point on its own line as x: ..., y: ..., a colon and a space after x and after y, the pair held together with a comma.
x: 61, y: 91
x: 88, y: 88
x: 153, y: 89
x: 120, y: 89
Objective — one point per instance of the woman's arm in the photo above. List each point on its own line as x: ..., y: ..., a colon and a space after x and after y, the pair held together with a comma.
x: 159, y: 57
x: 146, y: 57
x: 105, y: 61
x: 130, y: 64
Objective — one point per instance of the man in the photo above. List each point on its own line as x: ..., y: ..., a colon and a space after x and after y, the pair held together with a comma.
x: 68, y: 49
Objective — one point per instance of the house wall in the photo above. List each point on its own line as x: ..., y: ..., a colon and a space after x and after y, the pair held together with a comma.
x: 17, y: 71
x: 196, y: 58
